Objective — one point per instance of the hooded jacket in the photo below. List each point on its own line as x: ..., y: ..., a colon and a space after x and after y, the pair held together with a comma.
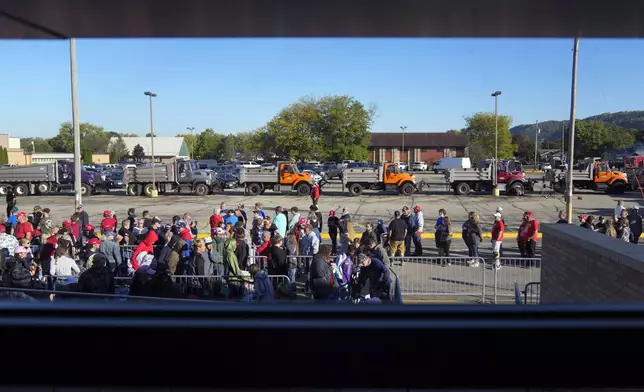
x: 111, y: 250
x: 147, y: 245
x: 230, y: 261
x: 175, y: 254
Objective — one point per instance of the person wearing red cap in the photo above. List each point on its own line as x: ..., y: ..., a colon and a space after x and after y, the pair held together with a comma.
x: 108, y: 223
x: 527, y: 239
x: 23, y: 227
x: 92, y: 248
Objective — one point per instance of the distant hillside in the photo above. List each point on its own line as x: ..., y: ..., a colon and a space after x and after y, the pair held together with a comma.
x: 551, y: 130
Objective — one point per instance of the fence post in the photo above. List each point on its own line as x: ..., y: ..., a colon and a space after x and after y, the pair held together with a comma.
x: 483, y: 285
x: 495, y: 284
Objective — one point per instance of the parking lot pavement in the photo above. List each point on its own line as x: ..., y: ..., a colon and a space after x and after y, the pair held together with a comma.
x: 368, y: 207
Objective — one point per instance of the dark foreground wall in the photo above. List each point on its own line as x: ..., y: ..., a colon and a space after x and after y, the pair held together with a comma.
x: 581, y: 266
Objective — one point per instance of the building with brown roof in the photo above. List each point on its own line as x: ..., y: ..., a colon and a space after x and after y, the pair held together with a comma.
x: 418, y: 146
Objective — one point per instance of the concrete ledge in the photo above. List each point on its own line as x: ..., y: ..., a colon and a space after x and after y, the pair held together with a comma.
x: 579, y: 265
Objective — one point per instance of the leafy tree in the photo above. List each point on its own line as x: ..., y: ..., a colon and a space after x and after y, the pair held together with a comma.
x: 594, y: 137
x: 208, y: 145
x: 227, y: 150
x: 118, y: 148
x: 149, y: 134
x: 138, y: 154
x: 114, y: 157
x: 92, y: 136
x: 40, y: 144
x: 481, y: 131
x: 330, y: 127
x: 87, y: 156
x: 4, y: 156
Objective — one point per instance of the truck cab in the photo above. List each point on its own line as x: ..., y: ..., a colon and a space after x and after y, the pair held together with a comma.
x: 284, y: 177
x: 189, y: 174
x: 388, y: 176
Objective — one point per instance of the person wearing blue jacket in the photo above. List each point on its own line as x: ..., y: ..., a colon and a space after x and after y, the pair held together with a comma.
x: 374, y: 278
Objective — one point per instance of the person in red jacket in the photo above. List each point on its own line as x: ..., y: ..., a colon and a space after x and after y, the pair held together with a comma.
x: 527, y: 239
x: 315, y: 193
x: 215, y: 221
x: 108, y: 223
x: 497, y: 238
x: 147, y: 245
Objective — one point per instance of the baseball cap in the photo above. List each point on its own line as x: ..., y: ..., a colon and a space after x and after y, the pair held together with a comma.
x: 94, y: 241
x: 499, y: 209
x: 156, y: 220
x: 636, y: 207
x: 582, y: 217
x: 107, y: 212
x: 67, y: 224
x: 20, y: 249
x: 22, y: 213
x: 88, y: 227
x: 2, y: 229
x: 80, y: 206
x: 529, y: 213
x: 37, y: 208
x: 497, y: 214
x: 416, y: 208
x: 208, y: 240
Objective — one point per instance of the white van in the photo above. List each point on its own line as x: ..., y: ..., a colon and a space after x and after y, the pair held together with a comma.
x: 444, y: 164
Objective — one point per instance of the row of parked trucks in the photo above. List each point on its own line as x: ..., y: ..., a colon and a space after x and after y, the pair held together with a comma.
x: 185, y: 176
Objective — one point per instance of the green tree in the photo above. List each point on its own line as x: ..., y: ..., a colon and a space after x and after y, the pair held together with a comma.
x: 330, y: 127
x: 113, y: 157
x: 87, y: 156
x: 208, y: 145
x: 481, y: 131
x: 118, y: 148
x: 4, y: 156
x: 41, y: 144
x: 92, y: 136
x: 594, y: 137
x: 138, y: 154
x: 149, y: 134
x: 227, y: 150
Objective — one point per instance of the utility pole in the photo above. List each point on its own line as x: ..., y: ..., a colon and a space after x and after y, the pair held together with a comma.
x: 536, y: 143
x: 75, y: 124
x: 563, y: 142
x: 571, y: 137
x: 192, y: 144
x: 496, y: 140
x: 403, y: 142
x: 154, y: 184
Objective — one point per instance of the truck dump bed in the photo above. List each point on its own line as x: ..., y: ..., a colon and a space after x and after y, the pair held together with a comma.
x: 463, y: 175
x: 32, y: 173
x: 362, y: 175
x: 163, y: 173
x: 249, y: 176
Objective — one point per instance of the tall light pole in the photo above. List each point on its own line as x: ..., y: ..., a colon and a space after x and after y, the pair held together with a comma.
x: 496, y: 135
x: 154, y: 184
x: 536, y: 143
x: 403, y: 141
x: 192, y: 141
x: 75, y: 123
x: 571, y: 137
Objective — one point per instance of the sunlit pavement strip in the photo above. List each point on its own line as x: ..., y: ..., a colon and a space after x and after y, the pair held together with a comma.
x: 453, y: 301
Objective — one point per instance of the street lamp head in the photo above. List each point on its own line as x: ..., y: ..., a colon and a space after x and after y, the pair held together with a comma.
x: 150, y: 94
x: 496, y: 93
x: 403, y: 127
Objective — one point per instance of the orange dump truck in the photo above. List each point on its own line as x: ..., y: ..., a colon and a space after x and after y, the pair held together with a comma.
x: 285, y: 177
x: 387, y: 176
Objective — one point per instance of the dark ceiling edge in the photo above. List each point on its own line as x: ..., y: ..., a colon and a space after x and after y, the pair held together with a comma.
x: 322, y: 18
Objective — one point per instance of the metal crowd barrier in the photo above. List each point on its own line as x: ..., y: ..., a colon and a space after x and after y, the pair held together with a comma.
x: 441, y: 276
x: 514, y: 270
x: 532, y: 293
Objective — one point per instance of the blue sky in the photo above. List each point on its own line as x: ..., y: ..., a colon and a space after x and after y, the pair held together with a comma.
x: 239, y: 84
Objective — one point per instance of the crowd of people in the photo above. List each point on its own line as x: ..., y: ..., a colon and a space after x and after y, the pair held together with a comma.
x: 625, y: 224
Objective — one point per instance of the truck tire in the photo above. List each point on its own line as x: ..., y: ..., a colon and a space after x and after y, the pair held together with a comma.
x: 463, y: 189
x: 618, y: 187
x: 147, y: 189
x: 303, y: 189
x: 201, y: 189
x: 21, y: 190
x: 355, y: 189
x: 407, y: 189
x: 85, y: 189
x: 517, y: 188
x: 133, y: 190
x: 43, y: 188
x: 254, y: 189
x: 4, y: 188
x: 217, y: 188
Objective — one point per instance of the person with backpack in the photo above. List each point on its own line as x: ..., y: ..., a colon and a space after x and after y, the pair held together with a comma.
x: 472, y: 237
x: 21, y: 271
x: 443, y: 236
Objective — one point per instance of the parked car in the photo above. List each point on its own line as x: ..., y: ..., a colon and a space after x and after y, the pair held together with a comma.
x: 546, y: 166
x: 444, y: 164
x: 331, y: 171
x: 268, y: 166
x: 402, y: 166
x: 314, y: 175
x: 229, y: 180
x: 419, y: 166
x: 114, y: 179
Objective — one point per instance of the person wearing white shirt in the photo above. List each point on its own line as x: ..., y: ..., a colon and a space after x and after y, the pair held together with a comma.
x: 62, y: 266
x: 618, y: 210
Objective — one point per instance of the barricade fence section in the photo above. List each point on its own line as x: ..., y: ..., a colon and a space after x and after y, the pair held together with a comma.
x: 514, y: 270
x: 532, y: 293
x: 441, y: 277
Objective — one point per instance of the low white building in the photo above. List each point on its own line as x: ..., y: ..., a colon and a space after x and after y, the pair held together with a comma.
x: 165, y: 148
x: 49, y: 157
